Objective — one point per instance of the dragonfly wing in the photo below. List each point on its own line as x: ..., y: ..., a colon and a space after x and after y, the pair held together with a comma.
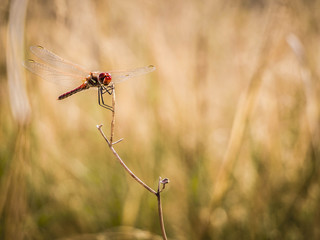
x: 57, y: 62
x: 53, y: 75
x: 120, y: 76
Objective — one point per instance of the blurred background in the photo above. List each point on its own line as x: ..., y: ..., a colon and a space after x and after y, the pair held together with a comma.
x: 230, y: 116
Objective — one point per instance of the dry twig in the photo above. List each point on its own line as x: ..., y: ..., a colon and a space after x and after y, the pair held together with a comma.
x: 161, y: 183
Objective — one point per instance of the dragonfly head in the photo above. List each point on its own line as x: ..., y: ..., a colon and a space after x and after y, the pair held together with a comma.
x: 105, y: 78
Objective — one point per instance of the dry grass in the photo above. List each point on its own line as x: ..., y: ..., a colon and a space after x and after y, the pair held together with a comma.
x: 230, y: 116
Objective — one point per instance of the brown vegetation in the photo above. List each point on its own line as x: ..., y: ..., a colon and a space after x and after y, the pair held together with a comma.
x: 230, y: 116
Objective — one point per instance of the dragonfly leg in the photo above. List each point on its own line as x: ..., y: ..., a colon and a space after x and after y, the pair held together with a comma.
x: 108, y: 89
x: 102, y: 91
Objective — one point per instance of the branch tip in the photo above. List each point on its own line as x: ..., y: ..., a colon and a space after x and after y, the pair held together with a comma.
x: 117, y: 141
x: 163, y: 182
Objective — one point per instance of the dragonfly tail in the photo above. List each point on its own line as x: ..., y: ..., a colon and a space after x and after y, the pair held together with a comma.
x: 76, y: 90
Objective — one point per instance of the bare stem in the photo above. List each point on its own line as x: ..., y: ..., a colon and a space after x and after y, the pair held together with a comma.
x: 162, y: 182
x: 122, y: 163
x: 163, y: 230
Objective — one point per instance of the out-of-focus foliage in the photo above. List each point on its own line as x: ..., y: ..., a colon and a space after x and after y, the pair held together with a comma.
x: 230, y: 116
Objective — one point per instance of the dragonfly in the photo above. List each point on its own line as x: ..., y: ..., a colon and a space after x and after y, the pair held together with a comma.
x: 56, y: 69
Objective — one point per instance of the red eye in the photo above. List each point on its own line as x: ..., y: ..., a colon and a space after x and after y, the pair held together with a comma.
x: 102, y: 75
x: 107, y: 79
x: 108, y: 76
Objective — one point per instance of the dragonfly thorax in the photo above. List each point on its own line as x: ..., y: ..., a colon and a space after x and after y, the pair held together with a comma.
x: 93, y: 80
x: 96, y: 81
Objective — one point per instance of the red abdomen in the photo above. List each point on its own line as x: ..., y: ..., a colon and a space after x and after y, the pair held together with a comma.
x: 78, y: 89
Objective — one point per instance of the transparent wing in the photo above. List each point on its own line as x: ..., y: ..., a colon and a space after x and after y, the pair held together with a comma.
x: 53, y: 75
x: 57, y: 62
x: 120, y: 76
x: 57, y: 69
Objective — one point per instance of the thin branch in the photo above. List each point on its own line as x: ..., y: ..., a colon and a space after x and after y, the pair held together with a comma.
x: 162, y: 182
x: 122, y: 163
x: 114, y: 143
x: 163, y: 230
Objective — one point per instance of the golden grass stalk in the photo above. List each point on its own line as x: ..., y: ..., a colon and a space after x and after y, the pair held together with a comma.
x: 13, y: 201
